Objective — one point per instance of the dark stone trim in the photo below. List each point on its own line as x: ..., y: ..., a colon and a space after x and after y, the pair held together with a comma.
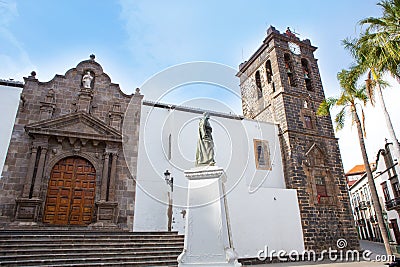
x: 192, y: 110
x: 11, y: 83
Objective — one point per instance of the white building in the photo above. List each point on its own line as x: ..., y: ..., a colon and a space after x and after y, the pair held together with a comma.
x: 262, y: 212
x: 387, y: 184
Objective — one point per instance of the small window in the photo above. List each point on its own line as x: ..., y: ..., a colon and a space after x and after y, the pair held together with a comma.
x: 306, y: 74
x: 268, y: 70
x: 308, y: 122
x: 385, y: 191
x: 258, y: 84
x: 366, y: 193
x: 262, y: 155
x: 387, y: 155
x: 170, y: 147
x: 355, y: 203
x: 321, y: 186
x: 396, y: 189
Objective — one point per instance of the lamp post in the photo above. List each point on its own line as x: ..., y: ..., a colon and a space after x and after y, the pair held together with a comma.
x: 169, y: 180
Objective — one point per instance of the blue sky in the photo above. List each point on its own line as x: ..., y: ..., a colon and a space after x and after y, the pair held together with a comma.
x: 134, y: 40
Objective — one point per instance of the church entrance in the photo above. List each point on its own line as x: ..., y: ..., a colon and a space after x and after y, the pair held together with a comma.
x: 71, y: 192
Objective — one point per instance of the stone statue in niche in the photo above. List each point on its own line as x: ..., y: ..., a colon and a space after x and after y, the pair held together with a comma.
x: 205, y: 144
x: 87, y: 80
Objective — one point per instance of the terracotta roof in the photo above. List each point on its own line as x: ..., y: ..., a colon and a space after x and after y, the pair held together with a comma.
x: 358, y: 169
x: 350, y: 183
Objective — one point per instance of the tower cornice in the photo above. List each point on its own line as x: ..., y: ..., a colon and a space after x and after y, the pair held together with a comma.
x: 272, y: 33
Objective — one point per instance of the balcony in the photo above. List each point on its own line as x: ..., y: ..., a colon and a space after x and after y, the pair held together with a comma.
x: 364, y: 205
x: 393, y: 204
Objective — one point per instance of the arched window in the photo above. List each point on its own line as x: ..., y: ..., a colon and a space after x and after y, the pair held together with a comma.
x: 306, y: 74
x: 319, y: 178
x: 268, y: 70
x: 169, y: 146
x: 258, y: 84
x: 321, y: 186
x: 289, y: 70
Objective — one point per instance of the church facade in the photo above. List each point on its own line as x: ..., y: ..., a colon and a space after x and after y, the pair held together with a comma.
x: 65, y: 165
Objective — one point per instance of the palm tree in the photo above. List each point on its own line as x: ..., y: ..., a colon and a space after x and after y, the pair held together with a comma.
x: 384, y: 32
x: 351, y: 96
x: 377, y: 51
x: 388, y: 25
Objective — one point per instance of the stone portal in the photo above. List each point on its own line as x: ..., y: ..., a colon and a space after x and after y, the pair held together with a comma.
x: 65, y: 164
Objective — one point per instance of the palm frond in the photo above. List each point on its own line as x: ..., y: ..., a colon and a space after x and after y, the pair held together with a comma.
x: 340, y: 119
x: 326, y: 106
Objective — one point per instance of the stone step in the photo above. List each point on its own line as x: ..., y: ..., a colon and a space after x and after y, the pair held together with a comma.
x: 93, y: 254
x: 82, y: 245
x: 145, y: 261
x: 126, y: 263
x: 102, y: 250
x: 81, y: 232
x: 94, y: 239
x: 58, y: 236
x: 59, y: 247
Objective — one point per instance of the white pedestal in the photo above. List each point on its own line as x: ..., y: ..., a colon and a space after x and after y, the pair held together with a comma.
x: 208, y: 241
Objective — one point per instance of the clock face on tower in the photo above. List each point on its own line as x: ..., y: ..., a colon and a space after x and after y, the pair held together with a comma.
x: 294, y: 48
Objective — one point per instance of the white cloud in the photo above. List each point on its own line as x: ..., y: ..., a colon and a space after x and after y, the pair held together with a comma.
x: 19, y: 63
x: 160, y: 35
x: 8, y: 11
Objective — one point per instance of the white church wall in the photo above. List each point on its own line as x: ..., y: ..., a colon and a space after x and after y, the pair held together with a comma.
x: 168, y: 140
x: 269, y: 218
x: 9, y: 99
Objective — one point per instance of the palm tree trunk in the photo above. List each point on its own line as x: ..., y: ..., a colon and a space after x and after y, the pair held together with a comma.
x: 375, y: 199
x: 388, y: 123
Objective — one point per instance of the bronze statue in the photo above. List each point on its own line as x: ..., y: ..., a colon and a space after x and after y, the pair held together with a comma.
x: 205, y: 145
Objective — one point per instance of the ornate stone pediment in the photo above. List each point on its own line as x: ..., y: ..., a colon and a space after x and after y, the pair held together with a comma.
x: 75, y: 125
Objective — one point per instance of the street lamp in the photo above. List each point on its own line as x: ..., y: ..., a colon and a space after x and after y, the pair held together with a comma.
x: 169, y: 180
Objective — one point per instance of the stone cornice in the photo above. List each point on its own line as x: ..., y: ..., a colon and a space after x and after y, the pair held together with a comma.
x: 56, y: 127
x: 204, y: 172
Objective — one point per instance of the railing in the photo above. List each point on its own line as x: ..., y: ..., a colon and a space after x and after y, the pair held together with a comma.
x: 364, y: 205
x: 393, y: 204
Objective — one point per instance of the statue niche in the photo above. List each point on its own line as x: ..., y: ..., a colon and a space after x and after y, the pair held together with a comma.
x: 87, y: 80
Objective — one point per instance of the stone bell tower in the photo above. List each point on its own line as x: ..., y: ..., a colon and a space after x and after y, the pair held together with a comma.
x: 281, y: 83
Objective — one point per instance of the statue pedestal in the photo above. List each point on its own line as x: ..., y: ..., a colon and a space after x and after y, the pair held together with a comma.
x: 28, y: 210
x: 207, y: 236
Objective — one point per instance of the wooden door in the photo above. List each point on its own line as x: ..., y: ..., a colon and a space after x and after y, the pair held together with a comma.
x: 71, y: 192
x: 396, y: 230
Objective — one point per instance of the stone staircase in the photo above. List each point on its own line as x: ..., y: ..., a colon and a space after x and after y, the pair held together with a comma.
x: 88, y: 248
